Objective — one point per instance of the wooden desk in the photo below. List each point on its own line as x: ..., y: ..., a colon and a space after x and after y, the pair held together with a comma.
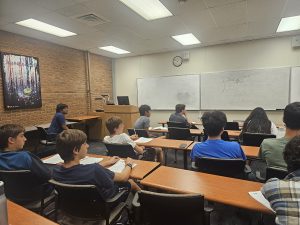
x: 92, y: 123
x: 220, y: 189
x: 140, y: 171
x: 198, y: 132
x: 18, y: 215
x: 163, y: 122
x: 169, y: 143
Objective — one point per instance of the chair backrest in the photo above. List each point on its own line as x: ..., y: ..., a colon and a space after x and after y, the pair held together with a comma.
x: 223, y: 167
x: 232, y: 126
x: 276, y: 172
x: 179, y: 133
x: 139, y: 132
x: 171, y: 209
x: 255, y: 139
x: 83, y: 201
x: 224, y: 136
x: 121, y: 150
x: 177, y: 124
x: 43, y: 133
x: 21, y: 186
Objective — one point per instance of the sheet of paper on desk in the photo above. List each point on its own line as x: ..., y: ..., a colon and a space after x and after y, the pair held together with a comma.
x: 90, y: 160
x: 258, y: 196
x: 119, y: 166
x: 160, y: 128
x: 143, y: 140
x: 55, y: 159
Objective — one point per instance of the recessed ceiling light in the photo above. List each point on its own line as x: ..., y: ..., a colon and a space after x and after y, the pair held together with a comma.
x: 44, y: 27
x: 149, y: 9
x: 289, y: 23
x: 186, y: 39
x: 114, y: 50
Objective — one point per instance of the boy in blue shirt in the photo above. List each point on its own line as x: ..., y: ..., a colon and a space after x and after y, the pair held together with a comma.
x: 58, y: 123
x: 12, y: 140
x: 214, y: 147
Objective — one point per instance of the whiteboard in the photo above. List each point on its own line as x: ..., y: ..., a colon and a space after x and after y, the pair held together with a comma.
x: 163, y: 93
x: 245, y: 90
x: 295, y: 85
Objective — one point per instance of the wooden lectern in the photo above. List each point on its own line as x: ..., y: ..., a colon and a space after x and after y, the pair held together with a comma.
x: 128, y: 113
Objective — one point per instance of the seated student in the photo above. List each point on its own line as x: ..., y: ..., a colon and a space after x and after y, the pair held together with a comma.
x: 214, y: 147
x: 271, y: 149
x: 284, y: 195
x: 72, y: 147
x: 143, y: 122
x: 12, y: 140
x: 258, y: 122
x: 180, y: 116
x: 58, y: 123
x: 115, y: 128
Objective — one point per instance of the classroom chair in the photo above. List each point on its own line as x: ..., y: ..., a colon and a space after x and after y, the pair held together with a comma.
x: 272, y: 172
x: 232, y: 126
x: 121, y: 150
x: 178, y: 133
x: 255, y: 139
x: 169, y: 209
x: 176, y: 124
x: 138, y: 132
x: 235, y: 168
x: 47, y: 141
x: 23, y: 188
x: 84, y: 203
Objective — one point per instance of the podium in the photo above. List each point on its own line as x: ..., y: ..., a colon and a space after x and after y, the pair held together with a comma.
x: 128, y: 113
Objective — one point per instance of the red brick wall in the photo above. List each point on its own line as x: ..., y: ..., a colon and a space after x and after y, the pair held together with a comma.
x: 63, y: 78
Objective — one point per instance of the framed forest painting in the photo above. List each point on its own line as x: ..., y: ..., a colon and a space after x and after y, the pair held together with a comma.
x: 21, y: 81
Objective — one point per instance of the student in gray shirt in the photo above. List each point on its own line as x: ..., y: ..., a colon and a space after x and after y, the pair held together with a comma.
x: 143, y: 122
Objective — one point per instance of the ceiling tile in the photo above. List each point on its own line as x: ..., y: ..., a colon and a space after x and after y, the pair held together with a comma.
x: 216, y: 3
x: 74, y: 10
x: 292, y: 8
x: 54, y: 4
x: 231, y: 14
x: 262, y: 10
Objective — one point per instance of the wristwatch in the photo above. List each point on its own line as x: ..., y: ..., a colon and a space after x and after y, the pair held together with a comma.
x: 129, y: 165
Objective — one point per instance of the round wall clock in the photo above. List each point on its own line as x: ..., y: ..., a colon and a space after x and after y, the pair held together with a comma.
x: 177, y: 61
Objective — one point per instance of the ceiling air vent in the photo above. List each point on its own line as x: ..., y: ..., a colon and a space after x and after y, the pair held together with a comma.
x: 91, y: 19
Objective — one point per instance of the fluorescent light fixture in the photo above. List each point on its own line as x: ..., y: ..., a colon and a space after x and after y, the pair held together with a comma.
x: 149, y: 9
x: 186, y: 39
x: 289, y: 23
x: 44, y: 27
x: 114, y: 50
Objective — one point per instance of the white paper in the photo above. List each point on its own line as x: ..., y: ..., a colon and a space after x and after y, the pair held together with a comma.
x: 143, y: 140
x: 258, y: 196
x: 160, y: 128
x: 90, y: 160
x: 119, y: 166
x: 55, y: 159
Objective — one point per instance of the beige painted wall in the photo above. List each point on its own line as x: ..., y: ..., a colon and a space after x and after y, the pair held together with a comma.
x: 265, y: 53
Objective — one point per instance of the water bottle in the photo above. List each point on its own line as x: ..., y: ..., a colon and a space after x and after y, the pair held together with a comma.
x: 3, y: 206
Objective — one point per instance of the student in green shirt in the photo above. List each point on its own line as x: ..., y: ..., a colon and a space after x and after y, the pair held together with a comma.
x: 271, y: 150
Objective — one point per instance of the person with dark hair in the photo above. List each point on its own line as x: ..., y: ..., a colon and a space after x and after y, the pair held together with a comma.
x: 258, y: 122
x: 58, y: 123
x: 12, y: 157
x: 143, y: 122
x: 271, y: 149
x: 214, y: 147
x: 115, y: 128
x: 180, y: 115
x: 72, y: 147
x: 284, y: 195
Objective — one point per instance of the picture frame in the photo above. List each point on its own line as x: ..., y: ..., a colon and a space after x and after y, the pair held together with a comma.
x: 21, y: 81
